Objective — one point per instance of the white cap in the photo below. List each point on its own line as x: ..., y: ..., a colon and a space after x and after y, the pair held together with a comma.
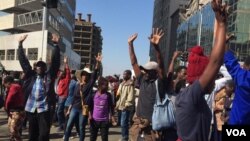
x: 87, y: 70
x: 150, y: 66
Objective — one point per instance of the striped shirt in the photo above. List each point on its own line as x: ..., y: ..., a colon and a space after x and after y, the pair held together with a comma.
x: 37, y: 100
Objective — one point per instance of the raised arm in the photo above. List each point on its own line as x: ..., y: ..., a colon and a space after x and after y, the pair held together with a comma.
x: 87, y: 97
x: 219, y: 46
x: 171, y: 66
x: 155, y: 39
x: 133, y: 58
x: 55, y: 58
x: 23, y: 60
x: 67, y: 69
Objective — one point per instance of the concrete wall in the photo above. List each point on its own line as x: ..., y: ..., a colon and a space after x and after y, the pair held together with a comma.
x: 4, y: 4
x: 34, y: 40
x: 7, y: 21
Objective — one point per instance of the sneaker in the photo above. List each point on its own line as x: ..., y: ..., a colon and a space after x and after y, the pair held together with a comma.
x: 59, y: 129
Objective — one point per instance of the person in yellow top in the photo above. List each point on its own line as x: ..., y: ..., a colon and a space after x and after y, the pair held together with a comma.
x: 222, y: 104
x: 126, y: 102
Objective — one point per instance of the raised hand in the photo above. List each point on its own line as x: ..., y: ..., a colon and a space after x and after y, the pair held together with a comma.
x: 22, y: 38
x: 132, y: 38
x: 176, y: 54
x: 55, y: 38
x: 156, y: 36
x: 220, y: 10
x: 230, y: 36
x: 66, y: 60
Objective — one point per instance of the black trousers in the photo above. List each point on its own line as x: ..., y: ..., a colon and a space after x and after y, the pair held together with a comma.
x: 94, y: 128
x: 39, y: 126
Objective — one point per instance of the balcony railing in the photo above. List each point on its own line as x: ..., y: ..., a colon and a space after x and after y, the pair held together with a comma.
x: 30, y: 18
x: 21, y: 2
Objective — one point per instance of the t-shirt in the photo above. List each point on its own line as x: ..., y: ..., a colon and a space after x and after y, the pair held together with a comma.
x: 147, y: 96
x: 193, y: 116
x: 101, y: 107
x: 146, y: 100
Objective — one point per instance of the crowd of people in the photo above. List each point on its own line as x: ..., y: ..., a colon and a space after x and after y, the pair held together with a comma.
x: 184, y: 103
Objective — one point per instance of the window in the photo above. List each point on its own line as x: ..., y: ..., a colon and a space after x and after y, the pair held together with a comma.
x: 2, y: 54
x: 32, y: 53
x: 10, y: 54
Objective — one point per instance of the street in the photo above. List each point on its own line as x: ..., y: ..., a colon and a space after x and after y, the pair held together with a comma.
x: 114, y: 133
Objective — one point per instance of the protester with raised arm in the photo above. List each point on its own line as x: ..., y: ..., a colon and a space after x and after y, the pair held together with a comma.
x: 193, y: 116
x: 39, y: 90
x: 146, y: 76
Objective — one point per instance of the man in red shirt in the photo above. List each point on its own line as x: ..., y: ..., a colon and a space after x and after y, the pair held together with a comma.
x: 14, y: 106
x: 62, y: 91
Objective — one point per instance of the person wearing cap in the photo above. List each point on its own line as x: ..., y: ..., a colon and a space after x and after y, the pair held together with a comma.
x: 146, y: 76
x: 39, y: 90
x: 193, y: 116
x: 82, y: 93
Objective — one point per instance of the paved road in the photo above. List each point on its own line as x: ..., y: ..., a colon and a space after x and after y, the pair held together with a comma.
x: 114, y: 133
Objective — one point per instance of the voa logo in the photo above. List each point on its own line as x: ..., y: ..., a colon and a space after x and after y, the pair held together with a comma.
x: 236, y: 132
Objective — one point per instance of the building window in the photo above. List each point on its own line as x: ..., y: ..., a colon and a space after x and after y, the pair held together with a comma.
x: 17, y: 53
x: 2, y: 54
x: 10, y: 54
x: 32, y: 53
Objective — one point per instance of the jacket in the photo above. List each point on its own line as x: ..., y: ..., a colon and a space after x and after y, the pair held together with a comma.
x: 63, y: 84
x: 126, y: 92
x: 240, y: 112
x: 14, y: 98
x: 49, y: 76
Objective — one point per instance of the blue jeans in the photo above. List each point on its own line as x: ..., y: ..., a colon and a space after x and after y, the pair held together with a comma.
x: 82, y: 123
x: 60, y: 112
x: 125, y: 124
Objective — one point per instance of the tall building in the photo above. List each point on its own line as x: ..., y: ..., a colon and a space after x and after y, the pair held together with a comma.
x: 198, y: 28
x: 239, y: 24
x: 167, y: 17
x: 87, y: 40
x: 30, y: 17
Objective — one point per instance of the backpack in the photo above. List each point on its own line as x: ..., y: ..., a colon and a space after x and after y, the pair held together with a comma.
x: 163, y: 114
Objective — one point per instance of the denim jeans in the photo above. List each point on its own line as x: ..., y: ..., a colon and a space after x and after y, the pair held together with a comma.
x: 82, y: 123
x: 125, y: 124
x: 60, y: 112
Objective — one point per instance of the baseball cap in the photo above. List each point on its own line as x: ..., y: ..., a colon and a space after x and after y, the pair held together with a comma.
x: 87, y: 70
x: 151, y: 65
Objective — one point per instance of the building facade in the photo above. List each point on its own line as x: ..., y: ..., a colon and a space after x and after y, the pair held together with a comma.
x: 198, y: 28
x: 87, y: 40
x: 167, y: 17
x: 30, y: 17
x: 239, y: 24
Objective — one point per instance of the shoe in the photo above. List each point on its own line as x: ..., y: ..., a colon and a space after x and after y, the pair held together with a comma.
x: 59, y: 129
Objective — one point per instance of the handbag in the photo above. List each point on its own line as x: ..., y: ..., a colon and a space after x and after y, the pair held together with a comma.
x: 163, y: 114
x: 85, y: 108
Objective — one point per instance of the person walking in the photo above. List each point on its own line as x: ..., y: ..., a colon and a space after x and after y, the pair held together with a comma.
x: 14, y: 106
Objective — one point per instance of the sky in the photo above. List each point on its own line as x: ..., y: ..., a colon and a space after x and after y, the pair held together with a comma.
x: 118, y: 20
